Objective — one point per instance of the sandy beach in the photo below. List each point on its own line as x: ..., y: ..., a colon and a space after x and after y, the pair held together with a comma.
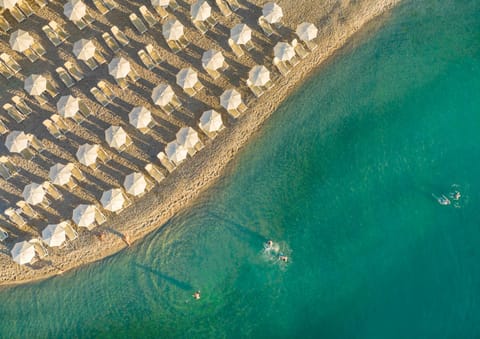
x: 337, y: 22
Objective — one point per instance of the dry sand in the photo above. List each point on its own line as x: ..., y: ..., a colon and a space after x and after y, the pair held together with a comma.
x: 337, y: 20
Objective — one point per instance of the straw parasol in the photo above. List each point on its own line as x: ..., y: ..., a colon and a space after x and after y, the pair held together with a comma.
x: 68, y: 106
x: 74, y: 10
x: 135, y: 183
x: 259, y: 75
x: 23, y: 252
x: 211, y: 121
x: 113, y: 200
x: 200, y: 10
x: 230, y: 99
x: 119, y: 68
x: 307, y: 31
x: 172, y: 30
x: 17, y: 141
x: 140, y: 117
x: 54, y: 235
x: 187, y: 137
x: 241, y: 34
x: 35, y: 84
x: 87, y: 154
x: 60, y: 174
x: 162, y: 95
x: 284, y: 51
x: 20, y: 40
x: 187, y: 78
x: 33, y: 193
x: 175, y: 152
x: 272, y: 12
x: 212, y: 59
x: 84, y: 215
x: 7, y: 4
x: 116, y: 137
x: 84, y: 49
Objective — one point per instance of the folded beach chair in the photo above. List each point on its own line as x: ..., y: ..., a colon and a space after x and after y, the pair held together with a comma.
x: 74, y: 71
x: 148, y: 16
x: 111, y: 43
x: 146, y: 59
x: 154, y: 54
x: 21, y: 105
x: 14, y: 113
x: 138, y: 23
x: 120, y: 36
x: 65, y: 77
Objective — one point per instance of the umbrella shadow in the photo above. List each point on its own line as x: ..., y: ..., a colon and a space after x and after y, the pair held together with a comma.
x: 178, y: 283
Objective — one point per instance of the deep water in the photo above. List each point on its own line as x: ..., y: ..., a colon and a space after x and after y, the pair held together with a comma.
x: 341, y: 177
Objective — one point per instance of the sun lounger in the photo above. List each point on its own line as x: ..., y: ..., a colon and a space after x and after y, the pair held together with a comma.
x: 106, y: 90
x: 88, y: 18
x: 224, y: 9
x: 27, y: 210
x: 4, y: 24
x: 170, y: 166
x: 3, y: 128
x: 237, y: 50
x: 101, y: 7
x: 234, y: 5
x: 282, y: 68
x: 91, y: 63
x: 138, y: 23
x: 111, y: 43
x: 31, y: 55
x: 111, y: 4
x: 14, y: 113
x: 7, y: 169
x: 53, y: 129
x: 70, y: 231
x: 265, y: 26
x: 80, y: 24
x: 299, y: 49
x: 5, y: 71
x: 65, y: 77
x: 10, y: 63
x: 25, y: 7
x: 148, y: 16
x: 60, y: 123
x: 40, y: 3
x: 38, y: 48
x: 21, y: 105
x: 63, y: 34
x: 14, y: 217
x: 201, y: 26
x: 51, y: 35
x: 98, y: 56
x: 17, y: 14
x: 99, y: 96
x: 161, y: 11
x: 154, y: 172
x: 133, y: 75
x: 83, y: 109
x: 146, y: 59
x: 154, y: 54
x: 52, y: 190
x: 120, y: 36
x: 74, y: 71
x: 174, y: 46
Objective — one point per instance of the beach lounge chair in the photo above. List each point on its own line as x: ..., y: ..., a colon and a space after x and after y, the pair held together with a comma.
x: 170, y: 166
x: 146, y: 59
x: 237, y: 50
x: 74, y: 71
x: 53, y: 129
x: 3, y: 128
x: 98, y: 56
x: 161, y: 11
x: 17, y: 14
x: 265, y: 26
x: 14, y: 216
x: 91, y: 63
x: 282, y: 68
x: 5, y: 71
x: 11, y: 64
x: 60, y: 122
x: 299, y: 49
x: 234, y: 4
x: 65, y: 77
x: 52, y: 190
x: 80, y: 24
x: 51, y: 89
x: 148, y: 16
x: 174, y: 46
x: 106, y: 90
x: 154, y: 54
x: 40, y: 3
x: 38, y: 48
x: 120, y: 36
x: 25, y: 7
x: 14, y: 113
x: 99, y: 96
x: 69, y: 231
x: 138, y: 23
x: 224, y: 9
x: 51, y: 35
x: 7, y: 169
x: 88, y: 18
x: 83, y: 109
x: 27, y: 210
x: 154, y: 172
x: 99, y: 217
x: 133, y: 75
x: 102, y: 8
x: 63, y: 34
x: 21, y: 105
x: 4, y: 24
x: 3, y: 234
x: 111, y: 4
x: 111, y: 43
x: 35, y: 143
x: 201, y: 26
x: 31, y: 55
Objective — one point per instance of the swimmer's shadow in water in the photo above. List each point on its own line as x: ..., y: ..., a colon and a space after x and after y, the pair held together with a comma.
x: 180, y: 284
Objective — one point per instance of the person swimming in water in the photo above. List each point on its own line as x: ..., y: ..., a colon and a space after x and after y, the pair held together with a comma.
x: 283, y: 258
x: 456, y: 195
x: 196, y: 295
x: 269, y: 245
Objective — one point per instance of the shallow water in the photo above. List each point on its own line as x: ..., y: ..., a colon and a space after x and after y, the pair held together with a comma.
x: 341, y: 177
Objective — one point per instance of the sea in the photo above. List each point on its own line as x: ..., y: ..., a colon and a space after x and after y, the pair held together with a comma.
x: 344, y: 179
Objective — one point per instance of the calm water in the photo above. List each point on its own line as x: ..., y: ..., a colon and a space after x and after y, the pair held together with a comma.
x: 342, y: 177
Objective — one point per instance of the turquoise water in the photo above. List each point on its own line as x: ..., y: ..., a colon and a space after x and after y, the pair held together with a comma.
x: 342, y: 178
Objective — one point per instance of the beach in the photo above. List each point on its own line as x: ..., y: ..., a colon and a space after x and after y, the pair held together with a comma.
x: 337, y: 21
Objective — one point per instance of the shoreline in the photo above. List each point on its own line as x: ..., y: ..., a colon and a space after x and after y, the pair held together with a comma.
x: 190, y: 179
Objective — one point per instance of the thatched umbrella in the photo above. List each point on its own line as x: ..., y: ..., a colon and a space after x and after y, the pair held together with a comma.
x: 23, y: 252
x: 84, y: 49
x: 74, y: 10
x: 20, y: 40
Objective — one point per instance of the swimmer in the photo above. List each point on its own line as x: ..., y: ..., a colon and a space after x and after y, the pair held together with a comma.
x: 269, y: 245
x: 456, y: 195
x: 283, y: 258
x: 196, y: 295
